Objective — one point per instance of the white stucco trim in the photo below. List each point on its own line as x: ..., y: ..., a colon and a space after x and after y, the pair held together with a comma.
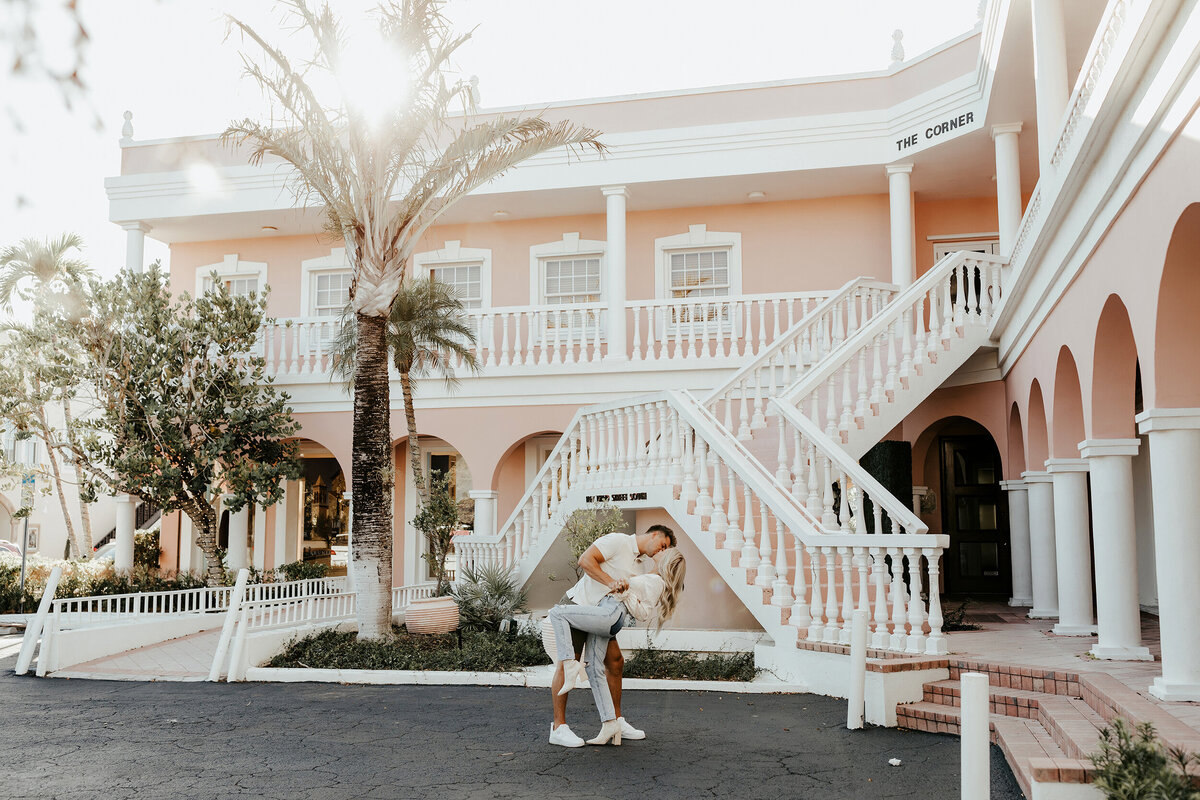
x: 232, y: 267
x: 569, y: 245
x: 454, y: 253
x: 336, y: 261
x: 698, y: 237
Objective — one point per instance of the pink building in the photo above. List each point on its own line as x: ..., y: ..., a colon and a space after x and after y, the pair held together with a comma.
x: 985, y: 257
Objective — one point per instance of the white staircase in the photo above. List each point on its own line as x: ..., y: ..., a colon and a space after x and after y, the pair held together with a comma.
x: 762, y: 502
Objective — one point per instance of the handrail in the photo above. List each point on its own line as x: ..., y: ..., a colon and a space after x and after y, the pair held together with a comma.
x: 803, y: 345
x: 866, y: 369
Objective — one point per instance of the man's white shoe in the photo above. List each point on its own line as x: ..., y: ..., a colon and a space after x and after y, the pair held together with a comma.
x: 563, y: 737
x: 630, y: 732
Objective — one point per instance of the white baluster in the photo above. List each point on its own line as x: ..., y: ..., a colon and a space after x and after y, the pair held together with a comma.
x: 889, y: 382
x: 781, y: 590
x: 719, y: 523
x: 690, y: 491
x: 846, y: 418
x: 762, y: 326
x: 704, y: 503
x: 916, y: 608
x: 899, y: 600
x: 935, y: 645
x: 637, y: 335
x: 675, y: 471
x: 749, y: 557
x: 906, y: 354
x: 846, y: 556
x: 920, y: 346
x: 766, y: 567
x: 816, y: 628
x: 743, y: 414
x: 832, y: 629
x: 733, y: 534
x: 879, y: 639
x: 949, y: 314
x: 782, y: 473
x: 799, y: 617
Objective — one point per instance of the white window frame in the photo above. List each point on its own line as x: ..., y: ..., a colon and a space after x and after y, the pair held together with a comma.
x: 570, y: 246
x: 454, y: 254
x: 336, y: 261
x: 944, y: 245
x: 232, y: 267
x: 698, y: 237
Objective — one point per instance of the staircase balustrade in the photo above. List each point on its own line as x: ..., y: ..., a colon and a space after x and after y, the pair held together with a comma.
x: 668, y: 441
x: 744, y: 396
x: 863, y: 375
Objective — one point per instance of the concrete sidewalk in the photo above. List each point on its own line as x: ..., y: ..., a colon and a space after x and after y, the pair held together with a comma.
x: 83, y: 739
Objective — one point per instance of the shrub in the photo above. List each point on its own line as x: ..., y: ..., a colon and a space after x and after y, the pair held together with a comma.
x: 651, y: 662
x: 1133, y: 763
x: 436, y: 520
x: 487, y: 596
x: 146, y: 551
x: 481, y: 651
x: 302, y: 570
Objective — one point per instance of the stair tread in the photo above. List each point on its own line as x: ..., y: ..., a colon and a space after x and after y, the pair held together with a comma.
x: 952, y: 687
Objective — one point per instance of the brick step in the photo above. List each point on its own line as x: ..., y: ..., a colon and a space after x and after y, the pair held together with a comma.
x: 1005, y: 702
x: 1017, y: 676
x: 1030, y: 749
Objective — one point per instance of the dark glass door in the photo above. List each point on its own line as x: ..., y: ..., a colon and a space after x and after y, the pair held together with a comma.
x: 975, y: 517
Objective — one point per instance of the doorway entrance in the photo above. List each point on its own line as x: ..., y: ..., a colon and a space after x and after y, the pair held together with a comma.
x: 975, y: 517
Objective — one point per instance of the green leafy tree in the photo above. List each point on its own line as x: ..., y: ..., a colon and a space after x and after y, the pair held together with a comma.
x: 426, y: 333
x: 436, y: 520
x: 41, y: 362
x: 385, y: 166
x: 187, y: 410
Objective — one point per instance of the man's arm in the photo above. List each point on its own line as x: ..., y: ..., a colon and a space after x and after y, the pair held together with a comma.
x: 590, y: 563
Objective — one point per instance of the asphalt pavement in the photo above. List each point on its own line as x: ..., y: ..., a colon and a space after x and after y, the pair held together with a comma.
x: 104, y: 739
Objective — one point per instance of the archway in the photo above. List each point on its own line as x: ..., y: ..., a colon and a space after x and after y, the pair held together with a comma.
x: 441, y: 459
x: 1016, y: 444
x: 1067, y: 422
x: 1037, y: 448
x: 1114, y: 373
x: 1177, y: 325
x: 971, y: 508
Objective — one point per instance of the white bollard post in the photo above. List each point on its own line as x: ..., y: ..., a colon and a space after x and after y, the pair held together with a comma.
x: 857, y: 694
x: 976, y: 737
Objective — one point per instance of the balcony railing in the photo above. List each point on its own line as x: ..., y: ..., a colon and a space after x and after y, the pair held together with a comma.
x: 527, y: 338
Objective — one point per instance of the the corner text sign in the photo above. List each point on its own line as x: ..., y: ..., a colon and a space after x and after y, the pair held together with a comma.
x: 935, y: 131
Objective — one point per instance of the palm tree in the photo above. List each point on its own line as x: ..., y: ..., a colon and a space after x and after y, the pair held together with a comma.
x: 48, y: 274
x: 385, y: 169
x: 426, y: 334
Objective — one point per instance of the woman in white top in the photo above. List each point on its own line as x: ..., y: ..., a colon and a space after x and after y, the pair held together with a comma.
x: 650, y: 598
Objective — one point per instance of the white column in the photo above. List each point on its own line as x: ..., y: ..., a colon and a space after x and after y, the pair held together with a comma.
x: 135, y: 245
x: 1118, y: 615
x: 1049, y: 76
x: 1018, y: 542
x: 1043, y: 559
x: 258, y: 550
x: 123, y: 560
x: 1008, y: 183
x: 187, y: 544
x: 238, y: 556
x: 900, y: 198
x: 1174, y: 435
x: 485, y: 511
x: 1072, y: 545
x: 280, y: 556
x: 293, y: 508
x: 615, y: 277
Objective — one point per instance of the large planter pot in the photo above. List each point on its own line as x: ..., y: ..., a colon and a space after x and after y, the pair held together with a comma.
x: 548, y: 643
x: 431, y: 615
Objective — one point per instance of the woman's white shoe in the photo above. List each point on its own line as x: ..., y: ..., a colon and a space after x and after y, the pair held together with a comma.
x: 630, y: 732
x: 574, y: 674
x: 611, y: 729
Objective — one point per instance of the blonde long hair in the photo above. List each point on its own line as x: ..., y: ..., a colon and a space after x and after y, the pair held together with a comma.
x: 672, y: 568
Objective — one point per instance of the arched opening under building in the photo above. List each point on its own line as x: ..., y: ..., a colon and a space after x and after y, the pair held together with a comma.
x: 961, y: 467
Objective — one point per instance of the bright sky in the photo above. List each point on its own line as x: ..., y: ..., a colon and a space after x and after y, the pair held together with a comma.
x: 168, y: 62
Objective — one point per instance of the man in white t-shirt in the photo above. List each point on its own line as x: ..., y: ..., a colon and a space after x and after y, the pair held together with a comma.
x: 607, y: 566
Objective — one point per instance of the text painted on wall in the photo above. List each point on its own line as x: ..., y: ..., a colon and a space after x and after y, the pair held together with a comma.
x: 936, y: 130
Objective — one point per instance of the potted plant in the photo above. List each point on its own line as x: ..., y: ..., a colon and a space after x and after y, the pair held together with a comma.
x: 436, y: 520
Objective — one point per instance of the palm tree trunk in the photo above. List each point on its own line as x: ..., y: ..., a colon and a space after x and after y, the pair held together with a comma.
x: 372, y: 479
x: 76, y: 547
x: 414, y: 439
x: 85, y: 512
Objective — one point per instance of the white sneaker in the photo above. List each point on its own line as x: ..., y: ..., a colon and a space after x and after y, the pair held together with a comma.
x: 630, y: 732
x: 563, y: 737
